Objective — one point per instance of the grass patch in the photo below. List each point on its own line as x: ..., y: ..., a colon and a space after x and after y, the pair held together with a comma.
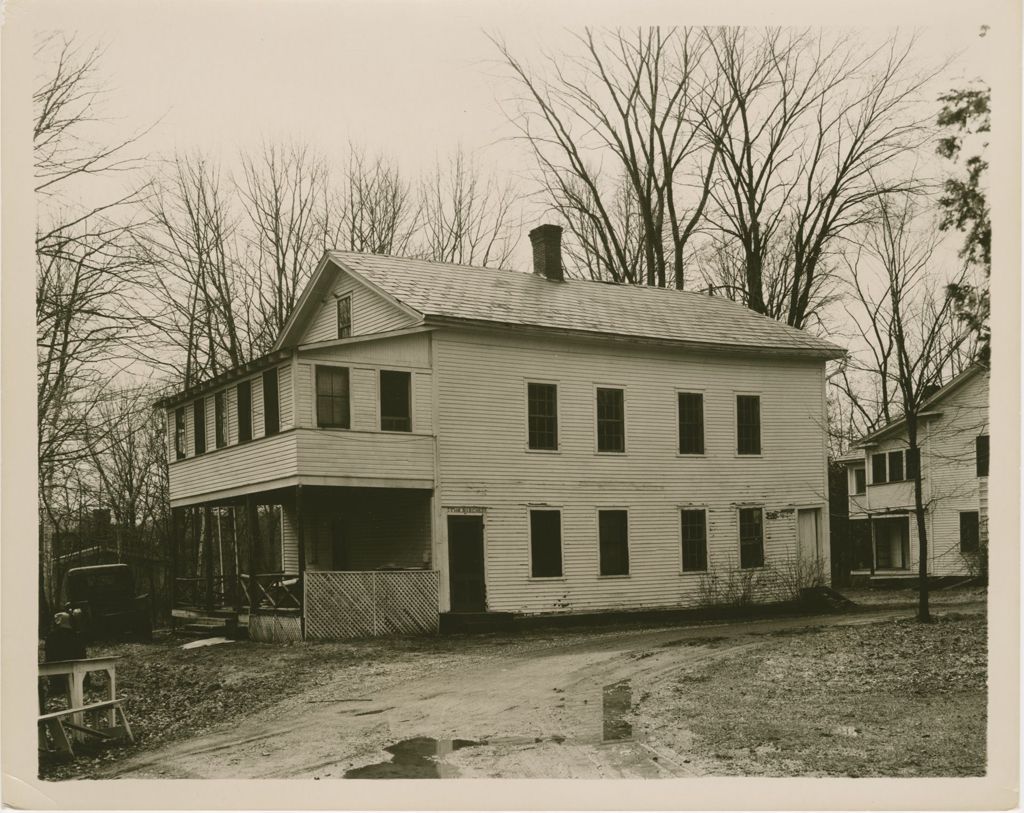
x: 895, y: 698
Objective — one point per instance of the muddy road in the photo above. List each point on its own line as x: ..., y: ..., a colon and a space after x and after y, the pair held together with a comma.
x: 551, y: 711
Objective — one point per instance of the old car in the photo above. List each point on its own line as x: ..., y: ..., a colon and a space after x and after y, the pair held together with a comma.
x: 109, y: 605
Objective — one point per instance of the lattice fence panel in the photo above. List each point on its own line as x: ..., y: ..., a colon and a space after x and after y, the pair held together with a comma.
x: 356, y: 604
x: 339, y: 604
x: 407, y: 602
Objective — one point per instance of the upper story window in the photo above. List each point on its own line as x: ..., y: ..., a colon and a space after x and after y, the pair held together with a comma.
x: 878, y: 468
x: 271, y: 403
x: 344, y: 317
x: 199, y: 425
x: 613, y: 532
x: 895, y: 466
x: 611, y: 420
x: 395, y: 401
x: 220, y: 420
x: 695, y: 540
x: 748, y: 424
x: 969, y: 532
x: 545, y: 543
x: 751, y: 537
x: 981, y: 455
x: 691, y: 423
x: 859, y: 480
x: 179, y: 433
x: 243, y: 401
x: 332, y: 397
x: 542, y: 416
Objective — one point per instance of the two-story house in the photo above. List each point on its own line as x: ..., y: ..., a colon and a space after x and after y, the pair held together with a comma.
x: 533, y: 443
x: 953, y: 460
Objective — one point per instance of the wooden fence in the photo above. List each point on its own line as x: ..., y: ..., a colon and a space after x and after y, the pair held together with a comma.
x: 358, y: 604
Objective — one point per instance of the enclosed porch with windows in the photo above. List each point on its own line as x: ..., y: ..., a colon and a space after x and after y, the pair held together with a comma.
x: 881, y: 545
x: 309, y: 562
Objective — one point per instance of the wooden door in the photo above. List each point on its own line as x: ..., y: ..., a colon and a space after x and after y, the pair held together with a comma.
x: 808, y: 531
x: 466, y: 564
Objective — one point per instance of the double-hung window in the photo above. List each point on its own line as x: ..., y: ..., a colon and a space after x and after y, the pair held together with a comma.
x: 271, y: 403
x: 981, y: 455
x: 332, y: 397
x: 220, y: 420
x: 878, y: 469
x: 542, y: 416
x: 243, y: 404
x: 748, y: 424
x: 395, y: 401
x: 545, y: 543
x: 969, y: 532
x: 199, y: 425
x: 611, y: 420
x: 344, y: 317
x: 751, y: 537
x: 695, y: 540
x: 896, y: 466
x: 860, y: 482
x: 613, y: 532
x: 179, y: 433
x: 691, y: 423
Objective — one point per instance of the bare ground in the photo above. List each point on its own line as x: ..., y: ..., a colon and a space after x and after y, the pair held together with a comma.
x: 850, y: 695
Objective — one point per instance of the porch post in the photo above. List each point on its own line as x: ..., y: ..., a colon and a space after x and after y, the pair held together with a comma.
x: 174, y: 542
x: 300, y: 535
x: 874, y: 552
x: 208, y: 557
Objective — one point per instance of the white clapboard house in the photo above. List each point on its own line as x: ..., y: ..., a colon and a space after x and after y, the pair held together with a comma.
x: 444, y: 438
x: 954, y: 453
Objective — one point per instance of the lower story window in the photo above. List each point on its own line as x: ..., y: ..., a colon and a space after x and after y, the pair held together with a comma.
x: 969, y: 536
x: 751, y: 537
x: 613, y: 530
x: 545, y: 543
x: 695, y: 540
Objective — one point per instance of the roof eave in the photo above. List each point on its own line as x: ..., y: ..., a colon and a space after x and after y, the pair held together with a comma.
x: 824, y: 353
x: 261, y: 363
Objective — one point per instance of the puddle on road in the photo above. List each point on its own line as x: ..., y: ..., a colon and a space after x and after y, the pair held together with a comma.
x: 616, y: 702
x: 413, y: 759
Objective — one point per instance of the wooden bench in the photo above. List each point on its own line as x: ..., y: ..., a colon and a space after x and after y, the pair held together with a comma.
x: 67, y: 726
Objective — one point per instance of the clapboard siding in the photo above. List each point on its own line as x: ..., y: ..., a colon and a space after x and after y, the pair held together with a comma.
x: 365, y: 361
x: 340, y: 453
x: 234, y: 467
x: 371, y: 312
x: 949, y: 479
x: 483, y: 461
x: 285, y: 404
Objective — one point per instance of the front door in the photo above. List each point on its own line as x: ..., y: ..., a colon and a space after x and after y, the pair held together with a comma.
x: 466, y: 563
x: 808, y: 531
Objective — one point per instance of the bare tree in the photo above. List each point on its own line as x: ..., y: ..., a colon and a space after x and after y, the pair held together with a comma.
x: 619, y: 135
x: 466, y: 217
x: 372, y: 208
x: 914, y: 339
x: 808, y: 126
x: 206, y: 309
x: 86, y: 269
x: 284, y: 191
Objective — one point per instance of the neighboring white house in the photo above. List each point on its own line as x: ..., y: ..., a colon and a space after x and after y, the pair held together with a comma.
x: 542, y: 444
x: 954, y: 454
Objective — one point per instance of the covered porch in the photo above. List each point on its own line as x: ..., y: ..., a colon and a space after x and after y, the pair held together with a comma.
x: 308, y: 561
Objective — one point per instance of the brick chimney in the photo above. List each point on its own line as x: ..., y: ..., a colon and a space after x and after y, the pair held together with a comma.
x: 547, y: 251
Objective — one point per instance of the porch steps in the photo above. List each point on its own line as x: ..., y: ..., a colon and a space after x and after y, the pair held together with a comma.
x: 476, y: 622
x: 209, y: 626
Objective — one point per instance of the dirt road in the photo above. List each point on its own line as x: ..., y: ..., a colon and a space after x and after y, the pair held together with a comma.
x: 551, y: 711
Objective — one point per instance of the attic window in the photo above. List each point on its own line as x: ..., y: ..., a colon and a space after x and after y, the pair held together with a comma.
x: 344, y: 317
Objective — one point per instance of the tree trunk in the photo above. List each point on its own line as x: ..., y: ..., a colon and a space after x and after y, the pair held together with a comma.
x: 923, y: 613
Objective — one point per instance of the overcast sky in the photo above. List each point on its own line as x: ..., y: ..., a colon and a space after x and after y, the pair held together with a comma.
x: 411, y: 79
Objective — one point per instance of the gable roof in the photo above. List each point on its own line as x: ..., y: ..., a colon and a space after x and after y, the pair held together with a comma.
x: 444, y: 293
x: 927, y: 407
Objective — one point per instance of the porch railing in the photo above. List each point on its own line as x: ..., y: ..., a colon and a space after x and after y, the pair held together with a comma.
x: 274, y: 592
